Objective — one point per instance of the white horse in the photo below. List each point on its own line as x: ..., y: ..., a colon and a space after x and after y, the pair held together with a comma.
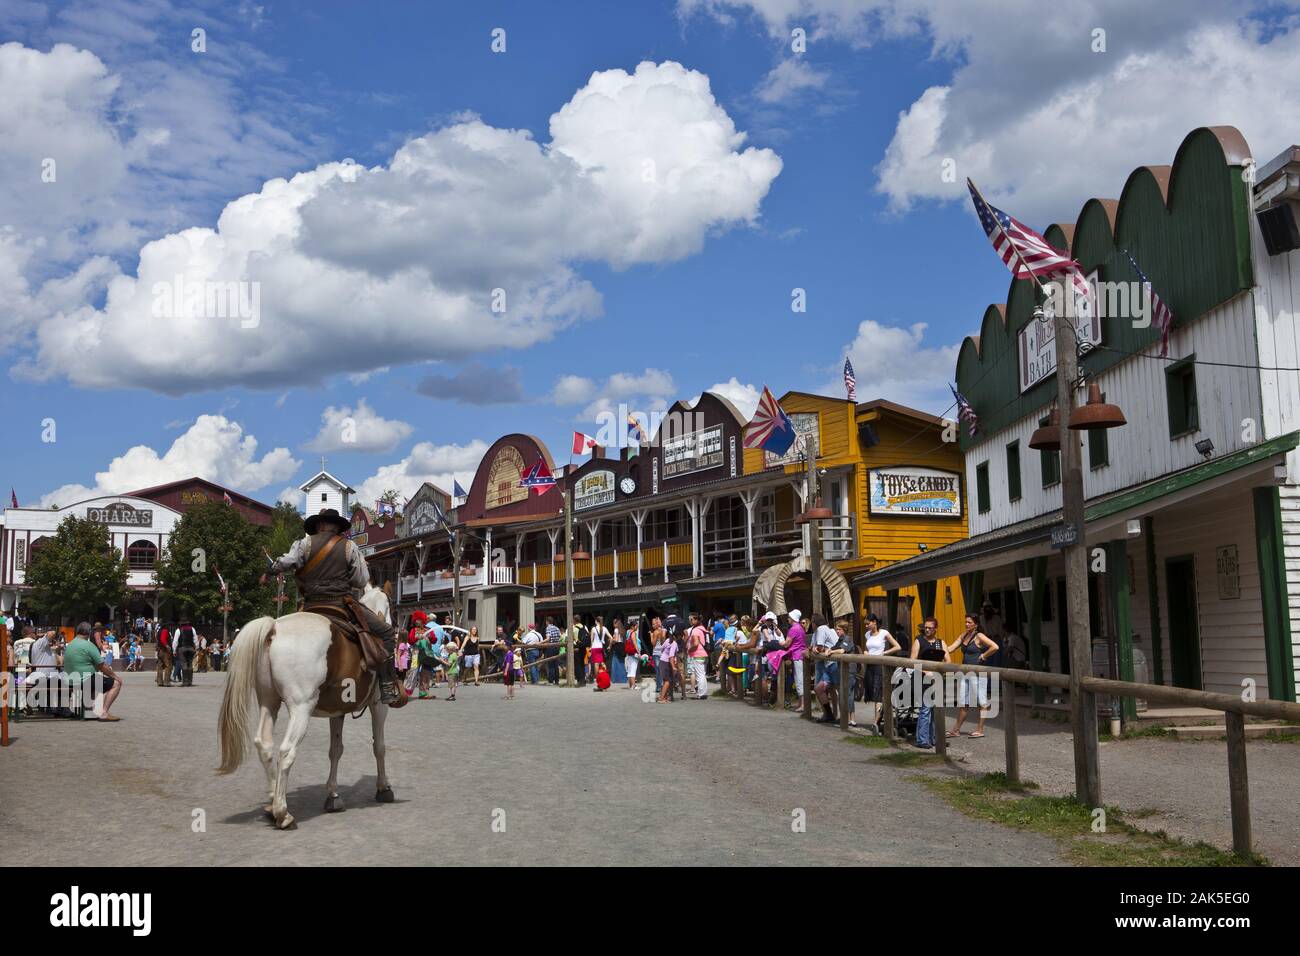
x: 295, y: 660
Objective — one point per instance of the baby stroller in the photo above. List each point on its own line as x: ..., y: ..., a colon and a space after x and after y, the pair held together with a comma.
x: 905, y: 713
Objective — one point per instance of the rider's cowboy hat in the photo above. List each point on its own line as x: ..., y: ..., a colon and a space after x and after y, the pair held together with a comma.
x: 312, y: 524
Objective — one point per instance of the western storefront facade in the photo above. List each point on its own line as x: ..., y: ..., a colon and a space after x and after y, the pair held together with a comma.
x: 1192, y: 508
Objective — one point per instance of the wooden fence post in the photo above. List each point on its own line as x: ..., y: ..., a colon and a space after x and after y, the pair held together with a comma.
x: 887, y: 701
x: 938, y: 719
x: 1007, y: 690
x: 1238, y: 790
x: 780, y: 685
x: 846, y: 695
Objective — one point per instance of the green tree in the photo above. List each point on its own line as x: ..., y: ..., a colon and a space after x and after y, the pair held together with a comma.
x: 212, y: 537
x: 77, y: 571
x: 286, y: 528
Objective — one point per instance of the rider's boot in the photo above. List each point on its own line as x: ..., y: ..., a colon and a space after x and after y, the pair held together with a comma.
x: 391, y: 691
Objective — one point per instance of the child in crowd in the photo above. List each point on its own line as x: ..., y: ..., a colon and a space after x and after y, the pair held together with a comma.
x: 508, y: 672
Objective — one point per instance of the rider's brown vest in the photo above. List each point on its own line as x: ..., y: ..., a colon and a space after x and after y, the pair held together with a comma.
x: 325, y: 578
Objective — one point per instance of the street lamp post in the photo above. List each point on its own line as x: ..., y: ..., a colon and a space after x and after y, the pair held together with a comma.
x: 813, y: 516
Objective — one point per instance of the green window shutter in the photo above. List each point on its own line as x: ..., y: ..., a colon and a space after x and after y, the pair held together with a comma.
x: 982, y: 486
x: 1013, y: 471
x: 1098, y: 448
x: 1050, y: 462
x: 1180, y: 393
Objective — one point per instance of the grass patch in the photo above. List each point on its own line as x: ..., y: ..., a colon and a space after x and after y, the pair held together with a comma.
x: 871, y: 743
x: 910, y: 758
x: 1280, y: 737
x: 991, y: 797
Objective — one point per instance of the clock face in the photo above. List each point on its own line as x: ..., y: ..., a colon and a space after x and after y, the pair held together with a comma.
x: 627, y: 485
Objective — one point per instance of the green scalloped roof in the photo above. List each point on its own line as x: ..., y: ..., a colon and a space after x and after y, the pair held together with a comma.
x: 1187, y: 224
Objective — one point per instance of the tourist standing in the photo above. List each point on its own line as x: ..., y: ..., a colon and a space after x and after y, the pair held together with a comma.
x: 697, y: 650
x: 452, y: 659
x: 164, y: 664
x: 880, y: 643
x: 632, y: 651
x: 667, y: 667
x: 555, y: 640
x: 427, y: 656
x: 186, y: 645
x: 827, y: 675
x: 531, y: 640
x: 927, y: 646
x: 617, y: 653
x: 976, y: 648
x: 600, y: 638
x: 508, y: 672
x: 472, y: 657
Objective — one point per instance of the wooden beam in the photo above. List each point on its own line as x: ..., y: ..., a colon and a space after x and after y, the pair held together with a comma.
x: 1273, y: 593
x: 1117, y: 582
x: 1238, y: 786
x: 1153, y: 601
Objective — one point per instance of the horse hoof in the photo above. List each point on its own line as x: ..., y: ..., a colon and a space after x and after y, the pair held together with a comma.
x: 334, y: 804
x: 288, y: 823
x: 385, y: 795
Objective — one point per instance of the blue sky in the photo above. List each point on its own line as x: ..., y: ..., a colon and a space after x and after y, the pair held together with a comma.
x: 381, y: 282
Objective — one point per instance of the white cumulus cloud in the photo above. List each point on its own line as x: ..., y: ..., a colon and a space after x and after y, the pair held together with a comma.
x: 360, y: 429
x: 214, y: 448
x: 440, y: 464
x: 467, y: 240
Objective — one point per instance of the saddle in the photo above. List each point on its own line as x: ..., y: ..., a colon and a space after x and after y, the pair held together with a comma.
x: 347, y: 622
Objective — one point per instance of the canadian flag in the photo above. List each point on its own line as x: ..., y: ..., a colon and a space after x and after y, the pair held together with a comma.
x: 582, y: 443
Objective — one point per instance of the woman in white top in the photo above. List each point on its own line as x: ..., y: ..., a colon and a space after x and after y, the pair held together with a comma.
x: 881, y: 643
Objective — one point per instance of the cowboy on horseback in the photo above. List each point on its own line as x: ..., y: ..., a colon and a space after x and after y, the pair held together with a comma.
x: 332, y: 573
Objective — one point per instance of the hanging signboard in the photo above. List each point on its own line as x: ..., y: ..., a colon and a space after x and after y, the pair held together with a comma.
x: 805, y: 425
x: 692, y: 451
x: 592, y: 489
x: 503, y: 479
x: 919, y: 492
x: 422, y: 518
x: 1037, y: 340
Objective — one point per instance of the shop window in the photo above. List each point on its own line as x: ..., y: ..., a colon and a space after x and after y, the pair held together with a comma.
x: 1098, y: 448
x: 1180, y: 391
x: 1013, y: 471
x: 141, y: 556
x: 982, y: 486
x: 1050, y: 462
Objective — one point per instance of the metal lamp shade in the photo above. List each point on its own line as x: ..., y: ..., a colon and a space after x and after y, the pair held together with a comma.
x: 1097, y: 413
x: 1048, y: 437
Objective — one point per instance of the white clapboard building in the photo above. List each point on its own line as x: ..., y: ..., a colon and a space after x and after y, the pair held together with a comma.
x: 1193, y: 506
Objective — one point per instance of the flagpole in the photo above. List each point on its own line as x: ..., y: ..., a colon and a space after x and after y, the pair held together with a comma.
x: 1083, y: 707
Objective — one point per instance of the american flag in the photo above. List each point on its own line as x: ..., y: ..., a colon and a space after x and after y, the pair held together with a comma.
x: 770, y: 428
x: 1026, y: 253
x: 537, y: 478
x: 1161, y: 315
x: 965, y: 413
x: 850, y: 380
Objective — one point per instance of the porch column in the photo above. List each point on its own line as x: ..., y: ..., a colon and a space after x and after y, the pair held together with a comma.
x: 553, y: 533
x: 705, y: 505
x: 1157, y: 674
x: 749, y: 499
x: 1117, y: 597
x: 638, y: 519
x: 487, y: 558
x: 592, y: 528
x: 616, y: 566
x: 693, y: 508
x: 891, y: 614
x: 972, y: 589
x: 801, y: 489
x: 1035, y: 568
x: 1273, y: 593
x: 519, y: 541
x: 927, y: 591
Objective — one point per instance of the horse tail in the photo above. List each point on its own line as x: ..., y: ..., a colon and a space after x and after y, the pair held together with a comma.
x: 236, y: 714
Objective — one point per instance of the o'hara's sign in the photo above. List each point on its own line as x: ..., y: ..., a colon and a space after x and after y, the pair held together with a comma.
x: 692, y: 451
x: 1037, y: 341
x: 918, y: 492
x: 121, y: 514
x: 592, y: 489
